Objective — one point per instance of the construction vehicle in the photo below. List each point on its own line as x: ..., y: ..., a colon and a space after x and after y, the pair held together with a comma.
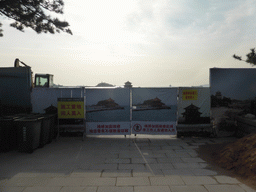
x: 16, y: 84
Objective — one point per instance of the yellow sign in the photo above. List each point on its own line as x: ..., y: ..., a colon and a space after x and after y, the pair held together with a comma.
x: 189, y: 94
x: 70, y: 109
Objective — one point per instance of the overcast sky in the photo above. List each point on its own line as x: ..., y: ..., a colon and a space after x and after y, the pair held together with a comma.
x: 151, y: 43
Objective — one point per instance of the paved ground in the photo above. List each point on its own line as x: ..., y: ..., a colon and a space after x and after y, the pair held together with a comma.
x: 105, y: 164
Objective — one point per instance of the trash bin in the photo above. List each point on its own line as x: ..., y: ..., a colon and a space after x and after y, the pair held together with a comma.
x: 51, y: 110
x: 53, y: 126
x: 28, y: 133
x: 7, y: 135
x: 8, y: 132
x: 45, y: 130
x: 1, y: 113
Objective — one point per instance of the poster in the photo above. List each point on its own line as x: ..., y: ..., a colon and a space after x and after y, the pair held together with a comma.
x: 233, y: 93
x: 108, y: 111
x: 70, y: 108
x: 194, y: 105
x: 154, y: 110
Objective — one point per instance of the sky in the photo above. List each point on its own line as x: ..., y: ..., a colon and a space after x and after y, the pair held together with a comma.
x: 151, y: 43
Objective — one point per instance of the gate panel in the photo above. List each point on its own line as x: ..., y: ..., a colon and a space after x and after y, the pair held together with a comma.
x: 154, y: 111
x: 108, y: 111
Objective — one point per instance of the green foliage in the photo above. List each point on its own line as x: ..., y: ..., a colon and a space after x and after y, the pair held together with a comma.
x: 33, y: 14
x: 251, y: 57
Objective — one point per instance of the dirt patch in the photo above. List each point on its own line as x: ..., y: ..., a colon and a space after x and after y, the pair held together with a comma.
x: 236, y: 159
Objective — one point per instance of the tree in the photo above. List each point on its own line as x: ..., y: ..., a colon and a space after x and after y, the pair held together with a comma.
x: 33, y: 14
x: 251, y: 57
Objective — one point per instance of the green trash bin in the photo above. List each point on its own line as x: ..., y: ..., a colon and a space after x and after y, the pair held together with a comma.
x: 28, y: 133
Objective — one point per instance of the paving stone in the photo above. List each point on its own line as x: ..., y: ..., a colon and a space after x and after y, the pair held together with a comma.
x: 179, y: 154
x: 193, y: 154
x: 151, y: 189
x: 86, y: 173
x: 78, y: 189
x: 188, y: 189
x: 192, y: 160
x: 117, y: 173
x: 147, y: 173
x: 27, y: 181
x: 65, y: 181
x: 161, y: 166
x: 186, y: 165
x: 190, y: 147
x: 26, y: 174
x: 94, y: 160
x: 246, y: 188
x: 11, y: 189
x: 94, y: 165
x: 198, y: 180
x: 150, y: 148
x: 185, y: 150
x: 168, y: 180
x: 115, y: 189
x: 111, y: 161
x: 169, y: 160
x: 42, y: 189
x: 199, y: 172
x: 130, y: 154
x: 155, y: 155
x: 171, y: 147
x: 132, y: 181
x: 3, y: 181
x: 48, y: 175
x: 196, y: 144
x: 205, y: 165
x: 103, y: 166
x: 98, y: 182
x: 226, y: 179
x: 132, y: 166
x: 177, y: 172
x: 163, y: 151
x: 142, y: 144
x: 224, y: 188
x: 141, y: 160
x: 177, y: 142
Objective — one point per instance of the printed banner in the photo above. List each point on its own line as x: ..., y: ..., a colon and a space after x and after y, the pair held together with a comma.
x: 156, y: 105
x: 109, y: 108
x: 194, y: 105
x: 233, y: 93
x: 155, y: 128
x: 70, y: 109
x: 108, y: 128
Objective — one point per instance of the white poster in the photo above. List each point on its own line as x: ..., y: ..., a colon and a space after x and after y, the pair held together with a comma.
x: 155, y: 128
x: 108, y: 128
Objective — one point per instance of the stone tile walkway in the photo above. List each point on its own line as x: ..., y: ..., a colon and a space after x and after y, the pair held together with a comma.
x: 113, y: 163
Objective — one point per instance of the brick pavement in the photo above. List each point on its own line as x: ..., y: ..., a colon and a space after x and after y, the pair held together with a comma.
x: 114, y: 163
